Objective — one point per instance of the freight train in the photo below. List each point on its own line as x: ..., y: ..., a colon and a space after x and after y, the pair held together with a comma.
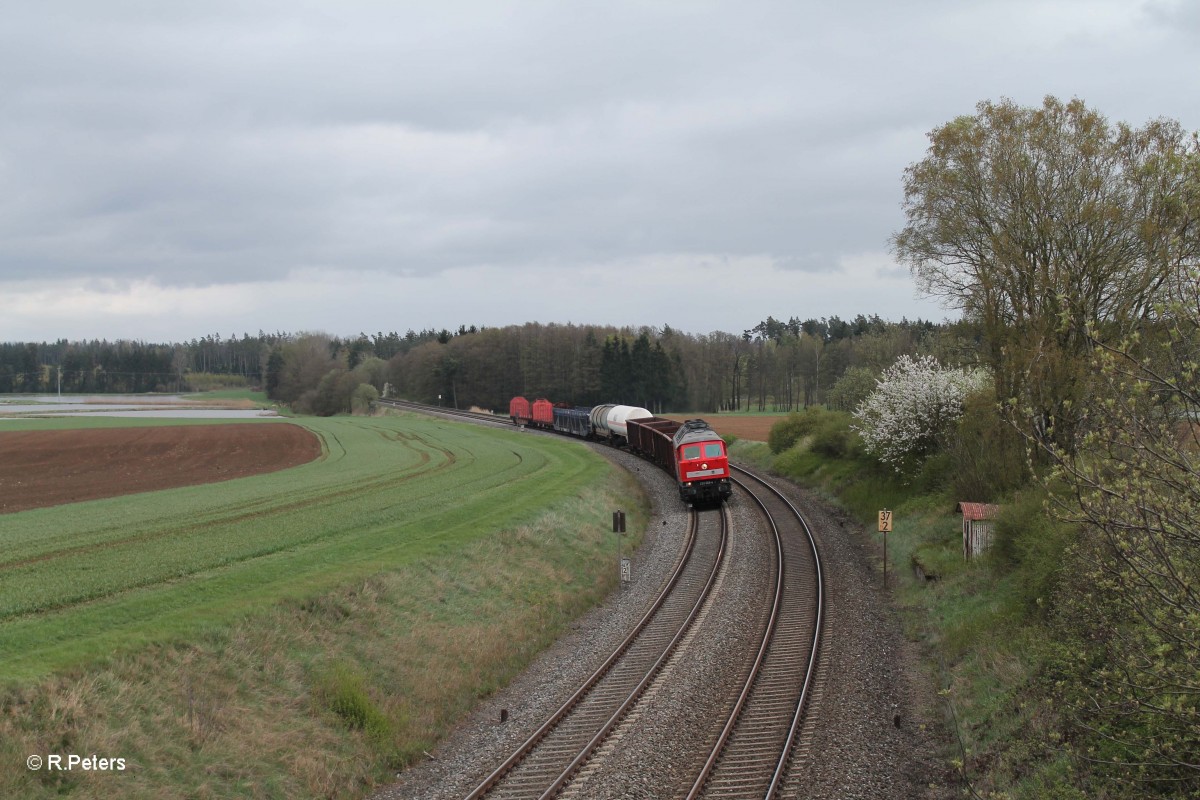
x: 690, y: 451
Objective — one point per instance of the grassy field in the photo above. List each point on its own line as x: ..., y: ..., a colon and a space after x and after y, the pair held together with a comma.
x: 75, y: 580
x: 301, y: 633
x: 259, y: 398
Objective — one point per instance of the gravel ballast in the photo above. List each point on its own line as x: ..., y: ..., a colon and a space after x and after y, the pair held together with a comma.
x: 870, y: 677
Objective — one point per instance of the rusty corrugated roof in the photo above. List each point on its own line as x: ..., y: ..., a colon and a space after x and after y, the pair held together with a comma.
x: 973, y: 511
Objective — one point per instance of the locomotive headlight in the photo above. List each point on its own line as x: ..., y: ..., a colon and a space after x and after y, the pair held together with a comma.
x: 704, y: 466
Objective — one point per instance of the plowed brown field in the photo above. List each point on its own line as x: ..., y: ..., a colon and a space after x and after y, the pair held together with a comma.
x: 755, y: 429
x: 48, y: 468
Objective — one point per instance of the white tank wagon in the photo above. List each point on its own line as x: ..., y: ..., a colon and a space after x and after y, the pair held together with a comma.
x: 610, y: 421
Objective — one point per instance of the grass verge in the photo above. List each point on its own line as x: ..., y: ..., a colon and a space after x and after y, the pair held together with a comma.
x: 979, y: 622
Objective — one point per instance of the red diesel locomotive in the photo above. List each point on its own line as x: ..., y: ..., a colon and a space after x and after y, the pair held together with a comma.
x: 691, y: 450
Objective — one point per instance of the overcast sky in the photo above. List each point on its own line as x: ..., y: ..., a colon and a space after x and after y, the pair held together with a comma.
x: 173, y: 169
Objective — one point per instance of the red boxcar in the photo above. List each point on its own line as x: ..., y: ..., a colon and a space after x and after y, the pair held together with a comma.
x: 543, y: 413
x: 518, y: 411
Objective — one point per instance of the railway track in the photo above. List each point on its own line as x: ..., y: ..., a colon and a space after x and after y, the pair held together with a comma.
x: 753, y: 751
x: 547, y: 760
x: 759, y: 733
x: 477, y: 416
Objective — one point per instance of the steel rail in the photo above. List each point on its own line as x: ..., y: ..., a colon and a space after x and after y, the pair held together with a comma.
x: 797, y: 713
x: 811, y: 668
x: 651, y: 674
x: 730, y: 727
x: 528, y: 746
x: 453, y: 412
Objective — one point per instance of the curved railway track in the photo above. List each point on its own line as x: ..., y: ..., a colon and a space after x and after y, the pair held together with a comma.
x: 752, y: 753
x: 758, y: 737
x: 547, y: 760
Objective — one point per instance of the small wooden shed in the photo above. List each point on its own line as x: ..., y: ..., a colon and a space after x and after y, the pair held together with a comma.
x: 979, y: 521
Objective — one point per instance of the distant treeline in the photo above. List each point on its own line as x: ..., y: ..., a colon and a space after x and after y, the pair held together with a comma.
x: 125, y: 366
x: 775, y: 365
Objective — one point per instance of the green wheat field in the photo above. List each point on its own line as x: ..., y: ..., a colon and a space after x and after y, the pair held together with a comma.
x: 305, y: 633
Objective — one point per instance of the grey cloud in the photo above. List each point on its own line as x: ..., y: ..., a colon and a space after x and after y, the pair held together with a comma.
x: 811, y: 262
x: 229, y: 140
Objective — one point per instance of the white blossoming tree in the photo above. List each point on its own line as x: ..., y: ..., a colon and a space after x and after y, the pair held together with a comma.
x: 914, y: 403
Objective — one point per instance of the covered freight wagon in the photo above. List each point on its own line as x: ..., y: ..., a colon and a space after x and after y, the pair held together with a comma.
x: 518, y: 411
x: 543, y: 413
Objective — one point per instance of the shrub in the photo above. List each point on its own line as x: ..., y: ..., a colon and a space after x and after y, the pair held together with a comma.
x: 362, y: 397
x: 791, y: 428
x: 785, y: 433
x: 935, y: 476
x: 987, y: 454
x: 344, y: 692
x: 904, y: 419
x: 850, y: 390
x: 832, y: 436
x: 331, y: 396
x: 1028, y: 543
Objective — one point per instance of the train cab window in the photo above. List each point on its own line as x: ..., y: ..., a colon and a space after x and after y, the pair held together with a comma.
x: 691, y: 451
x: 712, y: 450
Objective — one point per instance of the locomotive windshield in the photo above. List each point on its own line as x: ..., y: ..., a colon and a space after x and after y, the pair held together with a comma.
x: 709, y: 449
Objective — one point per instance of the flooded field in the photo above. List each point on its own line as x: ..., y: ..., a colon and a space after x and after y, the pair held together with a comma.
x: 148, y: 406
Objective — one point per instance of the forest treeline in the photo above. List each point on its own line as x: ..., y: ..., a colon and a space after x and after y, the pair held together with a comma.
x: 775, y: 365
x: 127, y: 366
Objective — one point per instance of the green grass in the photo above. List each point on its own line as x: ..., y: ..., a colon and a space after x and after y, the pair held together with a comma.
x: 92, y: 421
x: 231, y: 394
x: 978, y: 622
x: 323, y: 682
x: 78, y: 581
x: 988, y: 654
x: 753, y: 454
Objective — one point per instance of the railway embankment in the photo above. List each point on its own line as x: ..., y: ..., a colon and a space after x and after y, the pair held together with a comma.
x: 976, y: 628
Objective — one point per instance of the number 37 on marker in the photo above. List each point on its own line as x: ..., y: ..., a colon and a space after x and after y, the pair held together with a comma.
x: 885, y: 521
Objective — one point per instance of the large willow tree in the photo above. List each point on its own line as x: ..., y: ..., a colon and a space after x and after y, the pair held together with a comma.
x: 1045, y: 223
